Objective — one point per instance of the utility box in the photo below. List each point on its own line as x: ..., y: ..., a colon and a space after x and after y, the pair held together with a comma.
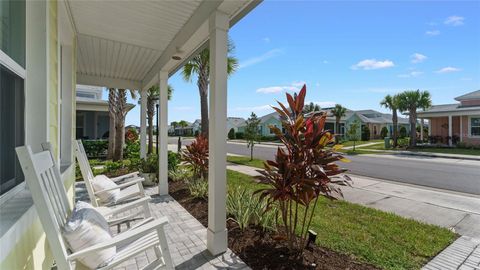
x: 387, y: 142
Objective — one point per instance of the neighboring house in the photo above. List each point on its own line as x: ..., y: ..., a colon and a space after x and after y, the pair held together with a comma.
x: 235, y: 123
x: 458, y: 122
x: 136, y: 128
x: 373, y: 119
x: 92, y: 119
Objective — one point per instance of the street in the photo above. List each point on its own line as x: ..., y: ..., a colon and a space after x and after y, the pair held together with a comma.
x: 450, y: 174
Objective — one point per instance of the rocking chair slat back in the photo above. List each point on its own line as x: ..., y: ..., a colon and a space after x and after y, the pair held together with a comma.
x: 85, y: 169
x: 49, y: 196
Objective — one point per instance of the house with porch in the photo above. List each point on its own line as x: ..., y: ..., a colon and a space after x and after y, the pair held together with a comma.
x: 48, y: 47
x: 92, y: 119
x: 454, y: 123
x: 373, y: 119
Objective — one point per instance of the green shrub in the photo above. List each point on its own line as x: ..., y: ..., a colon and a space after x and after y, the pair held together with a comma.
x: 173, y: 160
x: 365, y: 133
x: 182, y: 173
x: 268, y: 138
x: 231, y: 134
x: 384, y: 132
x: 132, y: 150
x: 198, y: 188
x: 403, y: 142
x: 111, y: 166
x: 149, y: 165
x: 240, y: 135
x: 246, y: 209
x: 95, y: 148
x: 403, y: 132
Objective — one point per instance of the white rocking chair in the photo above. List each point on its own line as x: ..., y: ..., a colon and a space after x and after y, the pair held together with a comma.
x: 130, y: 185
x: 50, y: 199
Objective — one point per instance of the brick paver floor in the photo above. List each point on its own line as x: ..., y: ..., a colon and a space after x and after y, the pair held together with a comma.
x: 186, y: 238
x: 463, y: 254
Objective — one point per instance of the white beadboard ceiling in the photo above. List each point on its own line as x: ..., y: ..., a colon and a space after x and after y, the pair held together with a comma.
x: 123, y: 42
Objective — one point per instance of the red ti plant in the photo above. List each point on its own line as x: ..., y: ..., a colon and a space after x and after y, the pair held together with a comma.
x: 303, y: 169
x: 196, y: 155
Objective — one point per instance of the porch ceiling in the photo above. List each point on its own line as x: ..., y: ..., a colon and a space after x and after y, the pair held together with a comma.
x: 125, y: 43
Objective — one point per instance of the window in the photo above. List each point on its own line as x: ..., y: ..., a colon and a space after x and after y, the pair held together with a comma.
x: 12, y: 133
x: 474, y: 126
x: 12, y: 34
x: 271, y: 129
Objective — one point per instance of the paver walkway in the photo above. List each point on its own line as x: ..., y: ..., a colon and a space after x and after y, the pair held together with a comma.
x: 186, y: 237
x: 463, y: 254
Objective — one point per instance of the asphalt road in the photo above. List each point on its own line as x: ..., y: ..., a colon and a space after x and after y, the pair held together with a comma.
x: 450, y: 174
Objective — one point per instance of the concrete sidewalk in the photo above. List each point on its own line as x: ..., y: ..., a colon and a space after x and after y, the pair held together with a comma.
x: 457, y: 211
x: 427, y: 154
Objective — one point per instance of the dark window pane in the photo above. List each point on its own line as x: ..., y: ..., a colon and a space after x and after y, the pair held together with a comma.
x: 12, y: 29
x: 475, y: 131
x: 12, y: 132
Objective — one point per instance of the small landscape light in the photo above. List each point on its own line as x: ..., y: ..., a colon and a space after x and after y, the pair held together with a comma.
x: 176, y: 57
x: 312, y: 236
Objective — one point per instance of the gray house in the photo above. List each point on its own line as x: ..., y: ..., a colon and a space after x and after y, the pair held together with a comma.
x: 92, y: 120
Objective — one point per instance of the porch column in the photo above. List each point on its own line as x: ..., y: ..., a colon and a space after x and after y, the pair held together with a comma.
x: 461, y: 128
x: 450, y: 130
x: 430, y: 127
x: 217, y: 180
x: 143, y: 123
x: 162, y: 134
x: 422, y: 122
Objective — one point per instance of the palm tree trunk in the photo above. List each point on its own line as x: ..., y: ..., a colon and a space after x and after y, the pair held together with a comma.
x: 413, y: 128
x: 337, y: 123
x: 121, y: 110
x: 203, y: 90
x: 111, y: 115
x: 150, y: 115
x: 395, y: 128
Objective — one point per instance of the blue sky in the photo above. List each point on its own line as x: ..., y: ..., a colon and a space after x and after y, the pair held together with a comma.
x: 347, y: 52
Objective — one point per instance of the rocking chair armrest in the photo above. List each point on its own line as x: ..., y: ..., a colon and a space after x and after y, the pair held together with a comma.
x: 124, y: 177
x: 128, y: 236
x: 124, y: 185
x: 128, y: 206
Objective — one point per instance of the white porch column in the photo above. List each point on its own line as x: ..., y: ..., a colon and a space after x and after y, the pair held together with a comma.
x: 217, y: 171
x: 162, y: 134
x: 430, y: 127
x: 422, y: 122
x: 143, y: 123
x: 450, y: 130
x: 461, y: 128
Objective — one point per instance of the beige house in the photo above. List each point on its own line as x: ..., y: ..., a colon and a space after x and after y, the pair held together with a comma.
x: 453, y: 123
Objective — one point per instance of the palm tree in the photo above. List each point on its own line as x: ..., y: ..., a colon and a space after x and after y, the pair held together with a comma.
x: 112, y: 100
x: 152, y: 95
x: 183, y: 123
x: 121, y: 111
x: 200, y: 65
x: 311, y: 108
x: 410, y: 101
x: 338, y: 111
x: 391, y: 102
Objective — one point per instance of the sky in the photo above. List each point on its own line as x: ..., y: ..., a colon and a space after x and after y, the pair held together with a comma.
x: 347, y: 52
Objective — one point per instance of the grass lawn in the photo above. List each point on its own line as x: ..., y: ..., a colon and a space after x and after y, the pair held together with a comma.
x: 242, y: 160
x: 382, y: 239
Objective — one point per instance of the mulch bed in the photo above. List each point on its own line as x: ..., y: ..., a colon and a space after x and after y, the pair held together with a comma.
x: 259, y: 249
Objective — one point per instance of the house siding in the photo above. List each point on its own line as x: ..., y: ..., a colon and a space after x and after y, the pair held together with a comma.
x: 30, y: 249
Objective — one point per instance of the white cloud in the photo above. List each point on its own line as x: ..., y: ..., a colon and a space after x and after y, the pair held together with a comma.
x: 277, y: 89
x: 411, y: 74
x: 454, y: 20
x: 369, y: 64
x: 258, y: 59
x: 418, y: 58
x: 266, y: 39
x: 432, y: 33
x: 253, y: 108
x: 323, y: 104
x: 298, y: 84
x: 448, y: 70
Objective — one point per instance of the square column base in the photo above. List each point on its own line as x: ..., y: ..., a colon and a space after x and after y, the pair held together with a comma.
x: 217, y: 243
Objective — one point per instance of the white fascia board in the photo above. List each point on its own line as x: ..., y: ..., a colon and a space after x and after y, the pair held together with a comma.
x: 108, y: 82
x: 448, y: 113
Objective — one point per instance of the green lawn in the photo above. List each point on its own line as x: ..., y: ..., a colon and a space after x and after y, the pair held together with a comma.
x: 458, y: 151
x: 242, y: 160
x: 382, y: 239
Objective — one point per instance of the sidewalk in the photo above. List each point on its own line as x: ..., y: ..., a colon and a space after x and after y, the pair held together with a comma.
x: 427, y: 154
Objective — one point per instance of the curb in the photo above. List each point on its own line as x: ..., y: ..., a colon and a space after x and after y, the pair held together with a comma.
x: 426, y: 154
